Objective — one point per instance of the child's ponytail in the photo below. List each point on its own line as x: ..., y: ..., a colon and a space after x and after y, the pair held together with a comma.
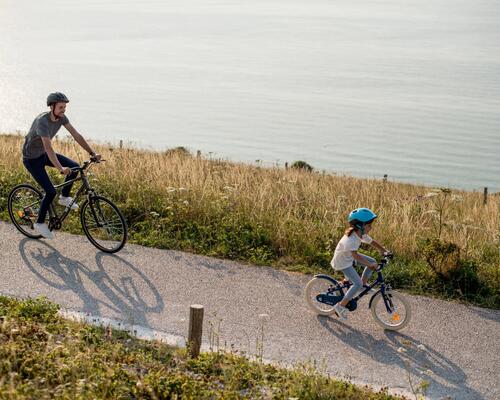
x: 349, y: 231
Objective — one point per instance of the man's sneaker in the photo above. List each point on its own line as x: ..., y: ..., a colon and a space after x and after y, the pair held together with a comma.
x: 341, y: 311
x: 43, y: 230
x: 66, y: 201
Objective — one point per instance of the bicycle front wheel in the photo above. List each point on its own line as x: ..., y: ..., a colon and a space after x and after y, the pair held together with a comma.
x: 391, y: 310
x: 23, y: 205
x: 103, y: 224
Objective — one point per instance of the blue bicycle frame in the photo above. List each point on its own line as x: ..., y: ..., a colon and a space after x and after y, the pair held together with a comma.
x: 331, y: 299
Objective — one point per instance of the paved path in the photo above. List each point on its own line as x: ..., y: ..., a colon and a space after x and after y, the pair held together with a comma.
x: 154, y: 288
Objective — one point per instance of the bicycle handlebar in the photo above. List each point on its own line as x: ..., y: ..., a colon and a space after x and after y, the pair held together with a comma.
x: 87, y: 164
x: 385, y: 260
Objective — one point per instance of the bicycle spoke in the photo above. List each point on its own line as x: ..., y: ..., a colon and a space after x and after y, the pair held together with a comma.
x: 104, y: 225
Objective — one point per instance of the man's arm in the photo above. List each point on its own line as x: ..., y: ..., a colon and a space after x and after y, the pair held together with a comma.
x: 79, y: 139
x: 47, y: 145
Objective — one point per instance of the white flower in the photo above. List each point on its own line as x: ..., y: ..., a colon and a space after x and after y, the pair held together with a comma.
x: 154, y: 214
x: 402, y: 350
x: 185, y: 202
x: 264, y: 317
x: 421, y: 347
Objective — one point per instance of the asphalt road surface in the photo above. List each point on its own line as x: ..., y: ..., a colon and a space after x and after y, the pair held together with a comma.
x: 453, y: 347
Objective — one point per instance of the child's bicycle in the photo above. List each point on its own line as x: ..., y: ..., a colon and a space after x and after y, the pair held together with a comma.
x: 102, y: 221
x: 389, y: 308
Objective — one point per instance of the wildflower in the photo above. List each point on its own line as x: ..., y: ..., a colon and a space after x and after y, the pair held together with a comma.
x: 264, y: 317
x: 401, y: 350
x: 421, y: 347
x: 185, y: 202
x: 154, y: 214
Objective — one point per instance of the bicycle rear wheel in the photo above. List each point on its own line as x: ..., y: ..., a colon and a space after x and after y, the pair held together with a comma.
x: 23, y: 205
x: 317, y: 286
x: 103, y: 224
x: 392, y: 312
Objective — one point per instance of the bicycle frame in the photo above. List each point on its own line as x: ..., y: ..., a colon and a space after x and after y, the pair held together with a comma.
x: 366, y: 288
x: 55, y: 221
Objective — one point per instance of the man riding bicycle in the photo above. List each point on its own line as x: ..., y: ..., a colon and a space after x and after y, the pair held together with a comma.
x: 38, y: 153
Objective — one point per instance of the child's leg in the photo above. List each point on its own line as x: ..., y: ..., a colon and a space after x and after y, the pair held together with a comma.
x: 367, y: 273
x: 351, y: 274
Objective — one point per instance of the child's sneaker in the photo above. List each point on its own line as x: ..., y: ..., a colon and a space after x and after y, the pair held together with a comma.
x: 341, y: 311
x: 66, y: 201
x: 43, y: 230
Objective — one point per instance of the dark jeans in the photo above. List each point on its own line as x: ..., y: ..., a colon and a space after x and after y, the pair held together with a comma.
x: 36, y: 167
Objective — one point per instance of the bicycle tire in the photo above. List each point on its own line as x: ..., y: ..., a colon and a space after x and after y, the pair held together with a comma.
x: 311, y: 292
x: 95, y: 207
x: 378, y: 315
x: 12, y: 212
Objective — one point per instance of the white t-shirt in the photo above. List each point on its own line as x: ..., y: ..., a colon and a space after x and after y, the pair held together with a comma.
x: 342, y: 258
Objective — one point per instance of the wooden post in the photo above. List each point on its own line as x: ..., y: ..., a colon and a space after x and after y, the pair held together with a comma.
x: 195, y: 329
x: 485, y: 196
x: 198, y: 154
x: 121, y: 144
x: 385, y: 178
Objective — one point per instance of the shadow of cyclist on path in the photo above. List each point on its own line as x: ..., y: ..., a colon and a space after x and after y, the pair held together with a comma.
x: 127, y: 291
x: 418, y: 359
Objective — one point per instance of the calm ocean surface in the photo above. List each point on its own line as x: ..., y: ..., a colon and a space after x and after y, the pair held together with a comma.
x: 408, y: 88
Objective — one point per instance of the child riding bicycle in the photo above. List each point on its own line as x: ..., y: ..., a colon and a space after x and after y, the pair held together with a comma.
x: 346, y: 255
x: 38, y: 153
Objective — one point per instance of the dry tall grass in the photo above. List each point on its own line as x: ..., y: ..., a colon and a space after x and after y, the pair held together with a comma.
x: 278, y: 196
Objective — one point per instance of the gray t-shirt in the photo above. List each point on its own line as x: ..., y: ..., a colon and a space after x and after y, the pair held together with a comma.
x: 41, y: 126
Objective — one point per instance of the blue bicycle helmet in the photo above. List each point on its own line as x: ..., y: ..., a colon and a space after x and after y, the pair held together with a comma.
x: 360, y: 217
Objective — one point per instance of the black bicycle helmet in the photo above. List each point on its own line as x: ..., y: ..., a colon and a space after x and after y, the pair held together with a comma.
x: 56, y: 97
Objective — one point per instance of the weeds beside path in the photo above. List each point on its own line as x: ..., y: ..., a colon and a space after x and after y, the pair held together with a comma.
x: 46, y: 357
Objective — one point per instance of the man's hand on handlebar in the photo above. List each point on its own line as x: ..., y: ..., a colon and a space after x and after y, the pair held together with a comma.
x: 65, y: 171
x: 95, y: 157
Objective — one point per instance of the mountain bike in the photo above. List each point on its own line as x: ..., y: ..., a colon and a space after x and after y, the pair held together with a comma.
x: 389, y: 308
x: 102, y: 221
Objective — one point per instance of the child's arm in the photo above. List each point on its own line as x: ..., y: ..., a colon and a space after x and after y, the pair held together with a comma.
x: 363, y: 260
x: 379, y: 247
